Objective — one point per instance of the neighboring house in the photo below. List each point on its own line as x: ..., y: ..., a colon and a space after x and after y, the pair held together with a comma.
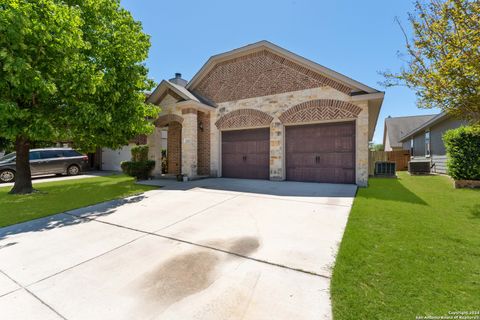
x: 426, y: 143
x: 262, y: 112
x: 111, y: 159
x: 397, y: 127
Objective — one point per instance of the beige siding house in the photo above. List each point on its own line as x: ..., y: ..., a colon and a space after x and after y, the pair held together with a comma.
x: 262, y: 112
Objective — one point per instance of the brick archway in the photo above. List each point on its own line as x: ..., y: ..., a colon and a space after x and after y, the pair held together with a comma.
x: 317, y: 110
x: 244, y: 118
x: 173, y: 123
x: 164, y: 120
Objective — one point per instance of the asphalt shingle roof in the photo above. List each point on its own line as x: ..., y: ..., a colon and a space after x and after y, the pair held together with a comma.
x: 398, y: 127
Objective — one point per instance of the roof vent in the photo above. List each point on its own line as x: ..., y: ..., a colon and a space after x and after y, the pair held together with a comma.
x: 178, y: 80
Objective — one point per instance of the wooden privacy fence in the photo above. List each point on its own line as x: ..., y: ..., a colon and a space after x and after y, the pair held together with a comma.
x: 400, y: 158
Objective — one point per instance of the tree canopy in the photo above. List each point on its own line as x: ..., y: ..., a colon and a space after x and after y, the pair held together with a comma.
x: 72, y: 70
x: 443, y: 57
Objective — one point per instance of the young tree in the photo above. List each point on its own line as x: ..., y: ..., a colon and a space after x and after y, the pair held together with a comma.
x: 443, y: 64
x: 71, y: 70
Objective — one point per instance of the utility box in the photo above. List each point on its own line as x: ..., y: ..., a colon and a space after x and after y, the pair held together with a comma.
x: 385, y: 169
x: 419, y: 167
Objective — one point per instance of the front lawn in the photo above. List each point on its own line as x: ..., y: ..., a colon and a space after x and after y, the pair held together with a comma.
x: 60, y: 196
x: 411, y: 248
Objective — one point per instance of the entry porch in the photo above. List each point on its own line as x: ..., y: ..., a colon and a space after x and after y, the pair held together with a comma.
x: 187, y: 149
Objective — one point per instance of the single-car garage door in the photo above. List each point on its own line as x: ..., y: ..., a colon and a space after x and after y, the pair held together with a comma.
x: 321, y: 152
x: 245, y: 153
x: 111, y: 159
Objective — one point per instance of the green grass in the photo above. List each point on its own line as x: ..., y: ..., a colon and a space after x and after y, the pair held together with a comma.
x: 411, y: 248
x: 60, y: 196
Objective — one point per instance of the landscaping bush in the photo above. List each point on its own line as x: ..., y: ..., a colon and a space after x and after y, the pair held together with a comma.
x: 463, y: 149
x: 140, y: 153
x: 140, y: 167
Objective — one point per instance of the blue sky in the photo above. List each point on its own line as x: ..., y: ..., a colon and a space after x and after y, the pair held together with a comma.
x: 355, y: 38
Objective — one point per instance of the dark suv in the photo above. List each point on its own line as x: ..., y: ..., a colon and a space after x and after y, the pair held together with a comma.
x: 45, y: 161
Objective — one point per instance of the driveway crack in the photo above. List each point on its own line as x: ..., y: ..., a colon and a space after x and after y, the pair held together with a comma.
x: 35, y: 296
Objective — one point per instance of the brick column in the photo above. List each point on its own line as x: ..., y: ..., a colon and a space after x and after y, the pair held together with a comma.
x: 362, y: 146
x: 277, y: 161
x: 189, y: 142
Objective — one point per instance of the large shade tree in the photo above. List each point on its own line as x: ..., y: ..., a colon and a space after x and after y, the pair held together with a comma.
x: 71, y: 70
x: 443, y: 57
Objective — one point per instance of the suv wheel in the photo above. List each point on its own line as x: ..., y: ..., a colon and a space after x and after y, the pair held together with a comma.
x: 7, y: 176
x: 73, y: 170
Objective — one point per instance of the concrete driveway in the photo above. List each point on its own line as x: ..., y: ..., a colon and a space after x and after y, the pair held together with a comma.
x: 208, y: 249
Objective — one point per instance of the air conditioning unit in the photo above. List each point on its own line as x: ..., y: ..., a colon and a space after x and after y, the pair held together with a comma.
x: 419, y: 167
x: 385, y: 169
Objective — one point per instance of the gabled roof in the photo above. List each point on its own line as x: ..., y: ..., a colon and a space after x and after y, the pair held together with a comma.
x: 397, y: 127
x: 433, y: 121
x: 356, y: 86
x: 181, y: 93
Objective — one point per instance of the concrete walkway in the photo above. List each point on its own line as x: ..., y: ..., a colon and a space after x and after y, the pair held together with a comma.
x: 207, y: 249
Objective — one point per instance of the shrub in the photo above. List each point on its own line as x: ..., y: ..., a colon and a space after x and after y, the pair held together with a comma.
x: 140, y: 167
x: 140, y: 153
x: 463, y: 149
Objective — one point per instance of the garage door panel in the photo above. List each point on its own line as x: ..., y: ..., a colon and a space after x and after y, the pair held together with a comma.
x: 345, y: 144
x: 321, y: 152
x: 327, y: 160
x: 325, y: 175
x: 347, y: 161
x: 345, y: 175
x: 246, y: 153
x: 344, y: 130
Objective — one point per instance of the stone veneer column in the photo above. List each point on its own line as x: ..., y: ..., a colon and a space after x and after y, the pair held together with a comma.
x: 189, y: 142
x: 154, y: 142
x: 277, y: 161
x: 362, y: 146
x: 215, y: 136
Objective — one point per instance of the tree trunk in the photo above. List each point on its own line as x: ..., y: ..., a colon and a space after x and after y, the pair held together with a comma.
x: 23, y: 176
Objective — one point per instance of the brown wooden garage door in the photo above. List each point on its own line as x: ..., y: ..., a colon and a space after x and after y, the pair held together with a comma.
x: 245, y: 153
x: 321, y: 152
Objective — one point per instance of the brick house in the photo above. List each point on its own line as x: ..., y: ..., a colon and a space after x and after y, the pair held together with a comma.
x: 262, y: 112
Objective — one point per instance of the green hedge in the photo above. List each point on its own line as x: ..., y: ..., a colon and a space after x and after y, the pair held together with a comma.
x: 463, y: 149
x: 140, y: 153
x: 138, y: 169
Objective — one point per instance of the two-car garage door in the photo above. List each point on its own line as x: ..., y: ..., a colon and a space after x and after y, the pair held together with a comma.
x: 315, y: 153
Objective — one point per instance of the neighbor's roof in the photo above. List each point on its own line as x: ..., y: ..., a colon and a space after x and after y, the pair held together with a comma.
x: 434, y: 120
x: 397, y: 127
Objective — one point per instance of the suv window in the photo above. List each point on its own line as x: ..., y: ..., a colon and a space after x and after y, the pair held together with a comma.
x: 8, y: 157
x: 71, y: 153
x: 34, y: 155
x: 49, y: 154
